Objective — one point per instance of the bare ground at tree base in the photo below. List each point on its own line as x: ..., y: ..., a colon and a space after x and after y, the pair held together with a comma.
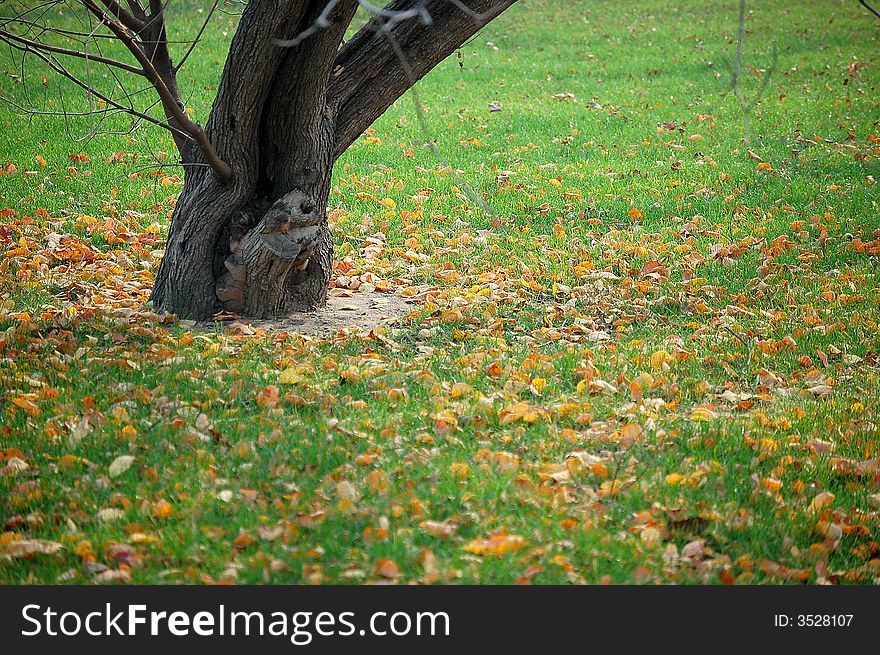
x: 359, y: 311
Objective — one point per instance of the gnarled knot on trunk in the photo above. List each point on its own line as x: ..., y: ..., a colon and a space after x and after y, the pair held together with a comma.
x: 261, y: 261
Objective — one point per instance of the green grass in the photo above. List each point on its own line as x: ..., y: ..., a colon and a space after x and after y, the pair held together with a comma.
x: 597, y: 262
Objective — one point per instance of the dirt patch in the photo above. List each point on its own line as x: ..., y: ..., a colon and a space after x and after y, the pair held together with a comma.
x: 359, y: 311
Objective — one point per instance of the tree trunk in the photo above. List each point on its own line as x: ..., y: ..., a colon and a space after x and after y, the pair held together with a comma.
x: 258, y: 243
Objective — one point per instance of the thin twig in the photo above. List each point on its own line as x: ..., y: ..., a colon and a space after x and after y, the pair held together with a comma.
x: 197, y: 38
x: 4, y: 36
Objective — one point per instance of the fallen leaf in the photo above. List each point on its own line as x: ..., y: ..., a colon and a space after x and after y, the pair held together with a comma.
x: 28, y: 547
x: 386, y: 568
x: 495, y: 545
x: 120, y: 465
x: 821, y: 500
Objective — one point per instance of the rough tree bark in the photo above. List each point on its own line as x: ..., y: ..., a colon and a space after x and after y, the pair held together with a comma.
x: 256, y: 241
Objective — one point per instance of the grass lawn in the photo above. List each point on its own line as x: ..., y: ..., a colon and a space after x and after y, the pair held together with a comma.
x: 654, y: 360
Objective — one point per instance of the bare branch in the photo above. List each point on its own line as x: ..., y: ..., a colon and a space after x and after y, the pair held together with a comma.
x: 369, y: 75
x: 869, y: 8
x: 132, y: 23
x: 198, y: 37
x: 6, y: 36
x: 169, y: 101
x: 55, y: 30
x: 61, y: 70
x: 138, y: 10
x: 735, y: 70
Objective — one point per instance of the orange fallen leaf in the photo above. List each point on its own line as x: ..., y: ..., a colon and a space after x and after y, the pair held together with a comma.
x: 771, y: 484
x: 387, y: 568
x: 268, y: 397
x: 162, y: 509
x: 495, y: 545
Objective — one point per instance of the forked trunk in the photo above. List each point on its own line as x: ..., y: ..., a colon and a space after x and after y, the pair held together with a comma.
x: 259, y: 244
x: 256, y: 241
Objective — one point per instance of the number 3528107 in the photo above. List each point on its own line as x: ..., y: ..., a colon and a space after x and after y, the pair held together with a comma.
x: 813, y: 620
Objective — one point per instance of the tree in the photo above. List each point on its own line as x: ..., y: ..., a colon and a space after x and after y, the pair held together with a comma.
x: 249, y: 232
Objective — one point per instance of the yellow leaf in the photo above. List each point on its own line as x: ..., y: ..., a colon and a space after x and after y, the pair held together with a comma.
x: 289, y: 376
x: 495, y: 545
x: 659, y: 358
x: 460, y: 389
x: 703, y: 414
x: 460, y: 469
x: 610, y: 488
x: 377, y: 481
x: 771, y: 484
x: 66, y: 461
x: 27, y: 405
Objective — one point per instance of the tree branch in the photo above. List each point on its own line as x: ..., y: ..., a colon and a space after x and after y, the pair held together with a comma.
x: 197, y: 38
x: 123, y: 16
x: 170, y: 102
x: 9, y: 36
x: 869, y: 8
x: 369, y: 74
x: 61, y: 70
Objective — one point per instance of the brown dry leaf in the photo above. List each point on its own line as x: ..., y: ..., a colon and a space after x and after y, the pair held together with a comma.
x: 630, y: 433
x: 650, y: 536
x: 694, y: 549
x: 775, y: 570
x: 821, y: 391
x: 114, y: 575
x: 377, y: 481
x: 110, y: 514
x: 268, y: 397
x: 442, y: 529
x: 345, y: 490
x: 28, y: 547
x: 821, y: 500
x: 243, y: 540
